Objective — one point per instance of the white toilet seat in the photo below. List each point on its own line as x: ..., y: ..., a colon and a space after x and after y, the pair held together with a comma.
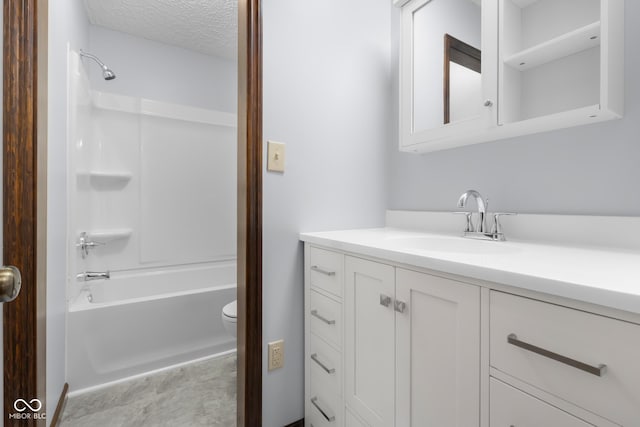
x: 230, y: 318
x: 230, y: 311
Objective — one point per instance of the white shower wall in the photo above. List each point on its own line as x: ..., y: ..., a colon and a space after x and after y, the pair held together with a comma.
x: 153, y: 70
x: 153, y: 181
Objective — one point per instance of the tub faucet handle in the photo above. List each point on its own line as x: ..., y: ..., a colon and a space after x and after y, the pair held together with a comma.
x: 84, y: 243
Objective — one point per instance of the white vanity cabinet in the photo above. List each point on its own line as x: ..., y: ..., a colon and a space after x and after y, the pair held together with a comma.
x: 545, y: 64
x: 411, y: 348
x: 390, y: 345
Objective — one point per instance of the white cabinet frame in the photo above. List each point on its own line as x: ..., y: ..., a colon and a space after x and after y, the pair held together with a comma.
x: 497, y: 119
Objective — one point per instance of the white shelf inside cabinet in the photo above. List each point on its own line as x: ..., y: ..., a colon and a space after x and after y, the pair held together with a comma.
x: 106, y: 236
x: 567, y: 44
x: 106, y: 177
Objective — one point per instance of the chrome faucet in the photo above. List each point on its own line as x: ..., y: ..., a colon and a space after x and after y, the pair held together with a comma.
x: 482, y: 209
x: 92, y: 275
x: 480, y: 229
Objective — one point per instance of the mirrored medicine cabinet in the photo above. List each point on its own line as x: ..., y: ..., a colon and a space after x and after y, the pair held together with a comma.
x: 478, y: 70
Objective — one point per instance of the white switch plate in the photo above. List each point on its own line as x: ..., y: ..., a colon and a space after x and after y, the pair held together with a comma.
x: 275, y: 156
x: 276, y: 354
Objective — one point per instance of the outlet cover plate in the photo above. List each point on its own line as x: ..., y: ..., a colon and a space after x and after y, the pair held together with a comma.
x: 276, y: 355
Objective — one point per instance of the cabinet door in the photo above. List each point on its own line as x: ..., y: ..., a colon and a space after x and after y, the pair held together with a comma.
x: 448, y: 73
x: 369, y: 341
x: 437, y: 352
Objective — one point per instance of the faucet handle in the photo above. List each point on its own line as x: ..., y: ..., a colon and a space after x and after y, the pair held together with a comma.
x: 469, y: 226
x: 497, y: 227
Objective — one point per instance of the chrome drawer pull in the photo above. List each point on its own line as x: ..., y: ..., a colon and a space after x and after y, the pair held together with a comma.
x: 599, y: 370
x: 323, y: 271
x: 314, y: 357
x: 314, y: 313
x: 324, y: 412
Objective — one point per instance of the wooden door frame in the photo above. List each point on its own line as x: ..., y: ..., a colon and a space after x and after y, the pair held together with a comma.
x: 249, y: 213
x: 24, y: 196
x: 24, y: 227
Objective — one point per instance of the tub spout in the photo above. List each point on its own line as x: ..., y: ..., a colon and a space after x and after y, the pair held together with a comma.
x: 92, y: 275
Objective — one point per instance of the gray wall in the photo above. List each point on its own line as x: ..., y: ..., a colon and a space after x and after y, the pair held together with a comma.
x: 326, y: 95
x: 591, y: 170
x: 68, y: 27
x: 162, y: 72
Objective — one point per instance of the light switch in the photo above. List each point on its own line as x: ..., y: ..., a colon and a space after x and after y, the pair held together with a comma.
x: 275, y: 155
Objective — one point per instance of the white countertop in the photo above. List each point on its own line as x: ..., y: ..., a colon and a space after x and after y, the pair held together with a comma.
x: 603, y: 276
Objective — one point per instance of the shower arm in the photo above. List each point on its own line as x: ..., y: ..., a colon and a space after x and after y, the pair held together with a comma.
x: 107, y: 73
x: 95, y: 58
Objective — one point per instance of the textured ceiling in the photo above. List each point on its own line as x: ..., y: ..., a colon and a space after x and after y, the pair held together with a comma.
x: 206, y: 26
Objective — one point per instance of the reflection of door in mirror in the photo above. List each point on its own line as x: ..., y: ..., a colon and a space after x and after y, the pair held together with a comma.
x: 462, y: 80
x: 429, y: 22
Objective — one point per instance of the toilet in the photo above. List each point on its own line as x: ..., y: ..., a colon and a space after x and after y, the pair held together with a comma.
x: 230, y: 318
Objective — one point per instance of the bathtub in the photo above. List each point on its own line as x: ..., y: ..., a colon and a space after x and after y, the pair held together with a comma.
x: 139, y: 322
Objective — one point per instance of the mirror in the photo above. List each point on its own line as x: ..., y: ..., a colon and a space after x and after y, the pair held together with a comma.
x: 462, y: 80
x: 459, y: 23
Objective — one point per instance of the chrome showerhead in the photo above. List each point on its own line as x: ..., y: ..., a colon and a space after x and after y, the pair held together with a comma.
x: 107, y: 73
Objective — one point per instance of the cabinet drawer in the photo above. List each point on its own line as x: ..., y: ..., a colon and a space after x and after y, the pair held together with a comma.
x: 321, y: 412
x: 326, y: 270
x: 512, y: 407
x: 553, y: 348
x: 325, y: 368
x: 325, y: 318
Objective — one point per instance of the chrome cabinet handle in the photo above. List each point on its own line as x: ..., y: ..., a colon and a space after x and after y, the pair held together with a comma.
x: 328, y: 370
x: 598, y: 371
x: 323, y: 271
x: 385, y: 300
x: 400, y: 306
x: 314, y: 313
x: 488, y: 103
x: 325, y: 413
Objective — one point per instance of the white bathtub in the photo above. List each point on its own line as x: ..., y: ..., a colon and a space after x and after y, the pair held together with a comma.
x: 139, y: 322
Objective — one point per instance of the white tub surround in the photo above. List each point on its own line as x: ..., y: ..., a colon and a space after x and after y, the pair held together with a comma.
x: 413, y: 325
x: 590, y: 259
x: 152, y: 199
x: 133, y: 167
x: 139, y: 322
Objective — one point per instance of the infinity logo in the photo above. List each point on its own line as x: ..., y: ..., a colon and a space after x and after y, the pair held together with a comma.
x: 21, y: 405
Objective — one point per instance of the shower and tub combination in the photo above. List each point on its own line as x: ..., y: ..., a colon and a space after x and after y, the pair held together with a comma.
x: 151, y: 240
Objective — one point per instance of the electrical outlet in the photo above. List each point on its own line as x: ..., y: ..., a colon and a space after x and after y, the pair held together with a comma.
x: 276, y: 354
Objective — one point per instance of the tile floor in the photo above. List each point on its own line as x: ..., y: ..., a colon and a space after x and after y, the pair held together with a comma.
x: 199, y: 394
